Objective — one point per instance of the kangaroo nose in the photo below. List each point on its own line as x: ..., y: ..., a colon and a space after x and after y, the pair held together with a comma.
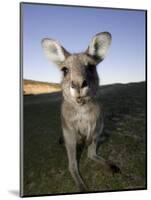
x: 74, y: 85
x: 84, y: 84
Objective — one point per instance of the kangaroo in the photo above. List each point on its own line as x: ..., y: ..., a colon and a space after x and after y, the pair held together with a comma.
x: 81, y: 113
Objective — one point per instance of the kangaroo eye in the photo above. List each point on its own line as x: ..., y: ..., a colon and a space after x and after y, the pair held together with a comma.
x: 65, y: 71
x: 91, y: 68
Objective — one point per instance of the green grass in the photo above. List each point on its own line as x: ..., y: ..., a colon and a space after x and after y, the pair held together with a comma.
x: 45, y: 160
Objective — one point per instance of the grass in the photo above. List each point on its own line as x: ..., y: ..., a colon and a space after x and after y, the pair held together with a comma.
x: 45, y: 160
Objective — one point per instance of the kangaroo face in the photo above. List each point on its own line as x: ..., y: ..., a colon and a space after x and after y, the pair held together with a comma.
x: 80, y: 79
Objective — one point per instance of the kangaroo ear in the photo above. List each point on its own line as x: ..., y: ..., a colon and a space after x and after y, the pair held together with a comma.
x: 54, y: 51
x: 99, y: 45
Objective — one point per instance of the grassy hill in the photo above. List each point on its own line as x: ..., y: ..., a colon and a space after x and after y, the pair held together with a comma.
x: 124, y: 142
x: 38, y: 87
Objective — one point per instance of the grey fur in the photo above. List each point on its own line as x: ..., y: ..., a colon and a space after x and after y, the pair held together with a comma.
x: 81, y: 114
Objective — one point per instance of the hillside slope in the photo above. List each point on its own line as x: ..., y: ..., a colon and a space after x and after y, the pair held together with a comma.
x: 38, y: 87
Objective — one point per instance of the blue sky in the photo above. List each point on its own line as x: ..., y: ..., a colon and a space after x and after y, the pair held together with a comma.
x: 74, y: 27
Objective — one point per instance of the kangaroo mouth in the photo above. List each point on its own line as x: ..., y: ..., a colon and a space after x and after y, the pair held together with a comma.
x: 81, y: 100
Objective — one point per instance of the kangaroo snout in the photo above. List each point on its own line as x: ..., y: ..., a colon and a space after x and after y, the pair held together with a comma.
x: 79, y: 85
x: 79, y: 90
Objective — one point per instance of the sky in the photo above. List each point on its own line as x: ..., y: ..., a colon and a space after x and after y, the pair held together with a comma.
x: 74, y: 27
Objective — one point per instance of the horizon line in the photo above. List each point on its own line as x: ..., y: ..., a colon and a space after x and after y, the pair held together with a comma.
x: 99, y: 84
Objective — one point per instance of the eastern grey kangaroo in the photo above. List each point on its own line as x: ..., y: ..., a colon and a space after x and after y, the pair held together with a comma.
x: 81, y: 114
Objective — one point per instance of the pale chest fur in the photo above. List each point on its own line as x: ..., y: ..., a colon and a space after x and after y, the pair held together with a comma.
x: 85, y: 120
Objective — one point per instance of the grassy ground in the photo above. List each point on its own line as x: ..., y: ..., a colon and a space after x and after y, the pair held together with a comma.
x: 45, y: 160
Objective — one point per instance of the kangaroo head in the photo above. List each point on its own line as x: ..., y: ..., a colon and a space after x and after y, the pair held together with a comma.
x: 80, y: 79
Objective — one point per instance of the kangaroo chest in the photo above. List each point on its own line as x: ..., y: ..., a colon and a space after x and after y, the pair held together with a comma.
x: 83, y: 119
